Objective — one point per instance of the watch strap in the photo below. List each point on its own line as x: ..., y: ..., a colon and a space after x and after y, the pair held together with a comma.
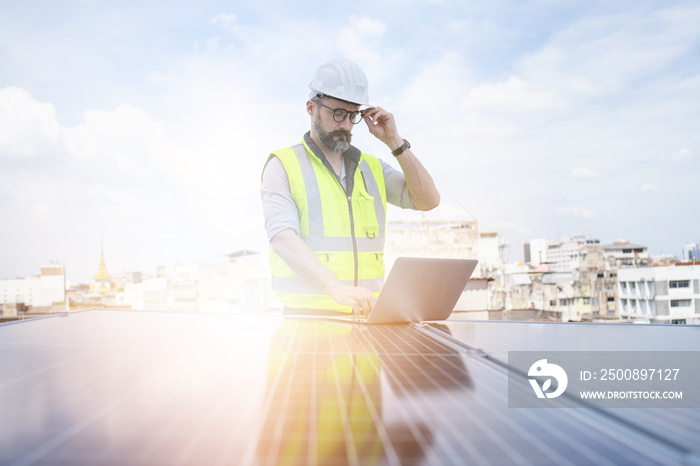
x: 400, y: 150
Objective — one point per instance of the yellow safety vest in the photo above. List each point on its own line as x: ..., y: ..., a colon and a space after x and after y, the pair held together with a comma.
x: 346, y: 233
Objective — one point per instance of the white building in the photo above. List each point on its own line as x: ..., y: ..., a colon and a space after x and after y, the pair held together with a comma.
x: 535, y: 252
x: 427, y: 238
x: 46, y: 289
x: 565, y: 254
x: 660, y: 295
x: 150, y: 294
x: 489, y: 252
x: 455, y: 240
x: 622, y: 253
x: 183, y: 288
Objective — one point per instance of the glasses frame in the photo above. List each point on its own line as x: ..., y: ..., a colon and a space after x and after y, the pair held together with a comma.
x: 340, y: 114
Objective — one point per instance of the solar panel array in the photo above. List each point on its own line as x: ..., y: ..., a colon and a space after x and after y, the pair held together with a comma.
x: 146, y: 388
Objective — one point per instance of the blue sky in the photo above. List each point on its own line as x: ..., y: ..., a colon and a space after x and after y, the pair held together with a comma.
x: 151, y: 121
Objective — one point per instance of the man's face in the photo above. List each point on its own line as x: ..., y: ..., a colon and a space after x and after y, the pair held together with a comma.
x: 335, y: 135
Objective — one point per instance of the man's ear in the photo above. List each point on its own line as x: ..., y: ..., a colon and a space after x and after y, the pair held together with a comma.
x: 309, y: 107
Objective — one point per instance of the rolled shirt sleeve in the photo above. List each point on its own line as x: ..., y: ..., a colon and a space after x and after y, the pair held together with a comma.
x: 397, y: 192
x: 279, y: 208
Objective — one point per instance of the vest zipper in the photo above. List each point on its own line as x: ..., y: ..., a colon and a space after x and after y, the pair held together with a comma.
x: 354, y: 241
x: 352, y: 223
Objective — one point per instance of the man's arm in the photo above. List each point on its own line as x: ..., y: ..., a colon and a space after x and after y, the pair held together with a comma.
x: 282, y: 225
x: 301, y: 259
x: 420, y: 184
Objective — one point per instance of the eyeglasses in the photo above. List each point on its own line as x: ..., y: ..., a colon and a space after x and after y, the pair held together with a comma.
x: 340, y: 114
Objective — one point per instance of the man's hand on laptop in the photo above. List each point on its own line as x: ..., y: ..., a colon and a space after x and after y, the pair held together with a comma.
x: 361, y: 299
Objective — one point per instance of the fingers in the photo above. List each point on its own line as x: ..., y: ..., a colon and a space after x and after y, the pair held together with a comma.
x: 356, y: 308
x: 361, y: 300
x: 375, y: 115
x: 380, y: 123
x: 365, y: 300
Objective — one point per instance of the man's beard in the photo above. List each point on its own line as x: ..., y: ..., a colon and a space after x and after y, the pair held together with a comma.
x: 328, y: 139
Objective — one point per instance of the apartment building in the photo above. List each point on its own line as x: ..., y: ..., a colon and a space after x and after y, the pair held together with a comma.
x: 43, y: 290
x: 660, y: 295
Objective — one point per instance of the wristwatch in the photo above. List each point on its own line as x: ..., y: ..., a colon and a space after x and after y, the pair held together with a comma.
x: 400, y: 150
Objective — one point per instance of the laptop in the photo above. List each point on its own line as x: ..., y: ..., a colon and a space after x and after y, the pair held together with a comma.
x: 419, y: 289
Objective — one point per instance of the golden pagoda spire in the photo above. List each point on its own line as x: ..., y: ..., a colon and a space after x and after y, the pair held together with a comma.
x: 102, y: 272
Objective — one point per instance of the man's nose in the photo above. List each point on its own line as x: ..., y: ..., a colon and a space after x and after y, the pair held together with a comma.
x: 346, y: 124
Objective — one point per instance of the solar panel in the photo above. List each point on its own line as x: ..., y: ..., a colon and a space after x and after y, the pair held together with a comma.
x: 134, y: 387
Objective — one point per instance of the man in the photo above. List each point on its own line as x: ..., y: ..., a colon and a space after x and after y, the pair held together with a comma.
x: 325, y: 201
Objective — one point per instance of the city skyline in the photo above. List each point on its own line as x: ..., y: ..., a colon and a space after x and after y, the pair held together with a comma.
x: 101, y: 262
x: 153, y: 121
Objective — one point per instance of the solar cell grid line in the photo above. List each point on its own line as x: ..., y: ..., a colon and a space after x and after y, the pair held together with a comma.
x: 546, y: 426
x: 371, y: 337
x: 668, y: 337
x: 304, y: 444
x: 585, y: 448
x: 513, y: 454
x: 452, y: 455
x: 387, y: 447
x: 311, y: 449
x: 297, y: 443
x: 257, y: 432
x: 416, y: 435
x: 455, y: 353
x: 273, y: 450
x: 347, y: 432
x: 368, y: 429
x: 420, y: 345
x: 554, y: 456
x: 394, y: 439
x: 643, y: 437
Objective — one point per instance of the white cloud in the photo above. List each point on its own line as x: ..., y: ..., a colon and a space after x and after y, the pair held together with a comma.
x: 212, y: 43
x: 681, y: 155
x: 479, y: 125
x: 31, y: 129
x: 361, y: 37
x: 199, y: 128
x: 577, y: 211
x: 512, y: 97
x: 27, y: 128
x: 607, y: 54
x: 583, y: 172
x: 582, y: 85
x: 228, y: 21
x: 126, y: 138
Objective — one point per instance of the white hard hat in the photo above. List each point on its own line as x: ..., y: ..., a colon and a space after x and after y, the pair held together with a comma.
x: 341, y: 79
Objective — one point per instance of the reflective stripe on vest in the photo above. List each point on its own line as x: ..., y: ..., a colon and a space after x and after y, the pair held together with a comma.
x: 325, y: 225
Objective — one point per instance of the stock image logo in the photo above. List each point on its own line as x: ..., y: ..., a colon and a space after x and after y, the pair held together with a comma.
x: 541, y: 369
